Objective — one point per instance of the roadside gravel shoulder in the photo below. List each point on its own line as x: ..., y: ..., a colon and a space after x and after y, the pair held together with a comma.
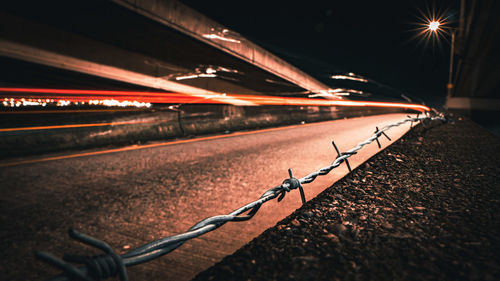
x: 425, y: 208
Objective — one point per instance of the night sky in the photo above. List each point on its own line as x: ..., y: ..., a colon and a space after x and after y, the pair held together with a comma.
x: 375, y: 39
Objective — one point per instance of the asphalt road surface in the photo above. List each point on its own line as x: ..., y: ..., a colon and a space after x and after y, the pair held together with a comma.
x: 131, y: 197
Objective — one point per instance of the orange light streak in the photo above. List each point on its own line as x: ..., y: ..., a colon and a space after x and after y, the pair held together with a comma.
x: 65, y: 111
x: 87, y: 92
x: 76, y: 126
x: 174, y: 98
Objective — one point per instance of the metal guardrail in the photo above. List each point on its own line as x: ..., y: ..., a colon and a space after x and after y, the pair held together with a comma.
x: 110, y: 264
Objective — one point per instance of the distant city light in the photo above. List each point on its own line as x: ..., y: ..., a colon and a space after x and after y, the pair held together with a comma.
x: 203, y: 75
x: 210, y: 70
x: 349, y: 77
x: 26, y: 102
x: 338, y: 92
x: 206, y: 71
x: 218, y: 37
x: 223, y: 35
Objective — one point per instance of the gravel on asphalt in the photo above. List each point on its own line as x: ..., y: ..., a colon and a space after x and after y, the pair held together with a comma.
x: 426, y: 208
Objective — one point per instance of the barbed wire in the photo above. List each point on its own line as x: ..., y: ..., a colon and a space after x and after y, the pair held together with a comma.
x: 110, y: 264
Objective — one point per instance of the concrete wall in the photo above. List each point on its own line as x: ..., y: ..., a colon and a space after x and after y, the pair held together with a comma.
x: 155, y: 125
x: 477, y: 74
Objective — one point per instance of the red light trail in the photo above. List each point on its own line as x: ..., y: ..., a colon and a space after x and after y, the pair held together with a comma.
x: 74, y: 95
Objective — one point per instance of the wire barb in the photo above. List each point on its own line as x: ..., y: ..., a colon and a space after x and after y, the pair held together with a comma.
x: 342, y: 154
x: 289, y: 184
x: 411, y: 122
x: 96, y: 267
x: 378, y: 133
x: 72, y: 272
x: 376, y: 138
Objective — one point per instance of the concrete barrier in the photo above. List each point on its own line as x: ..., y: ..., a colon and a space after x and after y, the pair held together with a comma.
x: 122, y: 128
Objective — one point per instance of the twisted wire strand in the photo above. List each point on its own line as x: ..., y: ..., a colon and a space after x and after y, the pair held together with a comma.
x: 165, y: 245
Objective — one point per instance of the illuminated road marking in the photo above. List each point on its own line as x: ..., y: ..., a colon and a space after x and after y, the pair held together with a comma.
x: 136, y: 147
x: 76, y: 126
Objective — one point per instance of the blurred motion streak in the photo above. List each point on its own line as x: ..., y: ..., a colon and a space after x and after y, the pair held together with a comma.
x: 85, y: 96
x: 346, y: 77
x: 49, y: 111
x: 76, y: 126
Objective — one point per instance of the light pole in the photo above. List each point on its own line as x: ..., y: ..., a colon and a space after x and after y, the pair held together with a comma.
x: 452, y: 55
x: 434, y: 27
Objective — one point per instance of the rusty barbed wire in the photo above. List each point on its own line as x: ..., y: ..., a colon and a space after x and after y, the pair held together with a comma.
x: 111, y: 264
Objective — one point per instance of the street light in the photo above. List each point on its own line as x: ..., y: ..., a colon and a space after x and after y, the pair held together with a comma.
x: 434, y: 27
